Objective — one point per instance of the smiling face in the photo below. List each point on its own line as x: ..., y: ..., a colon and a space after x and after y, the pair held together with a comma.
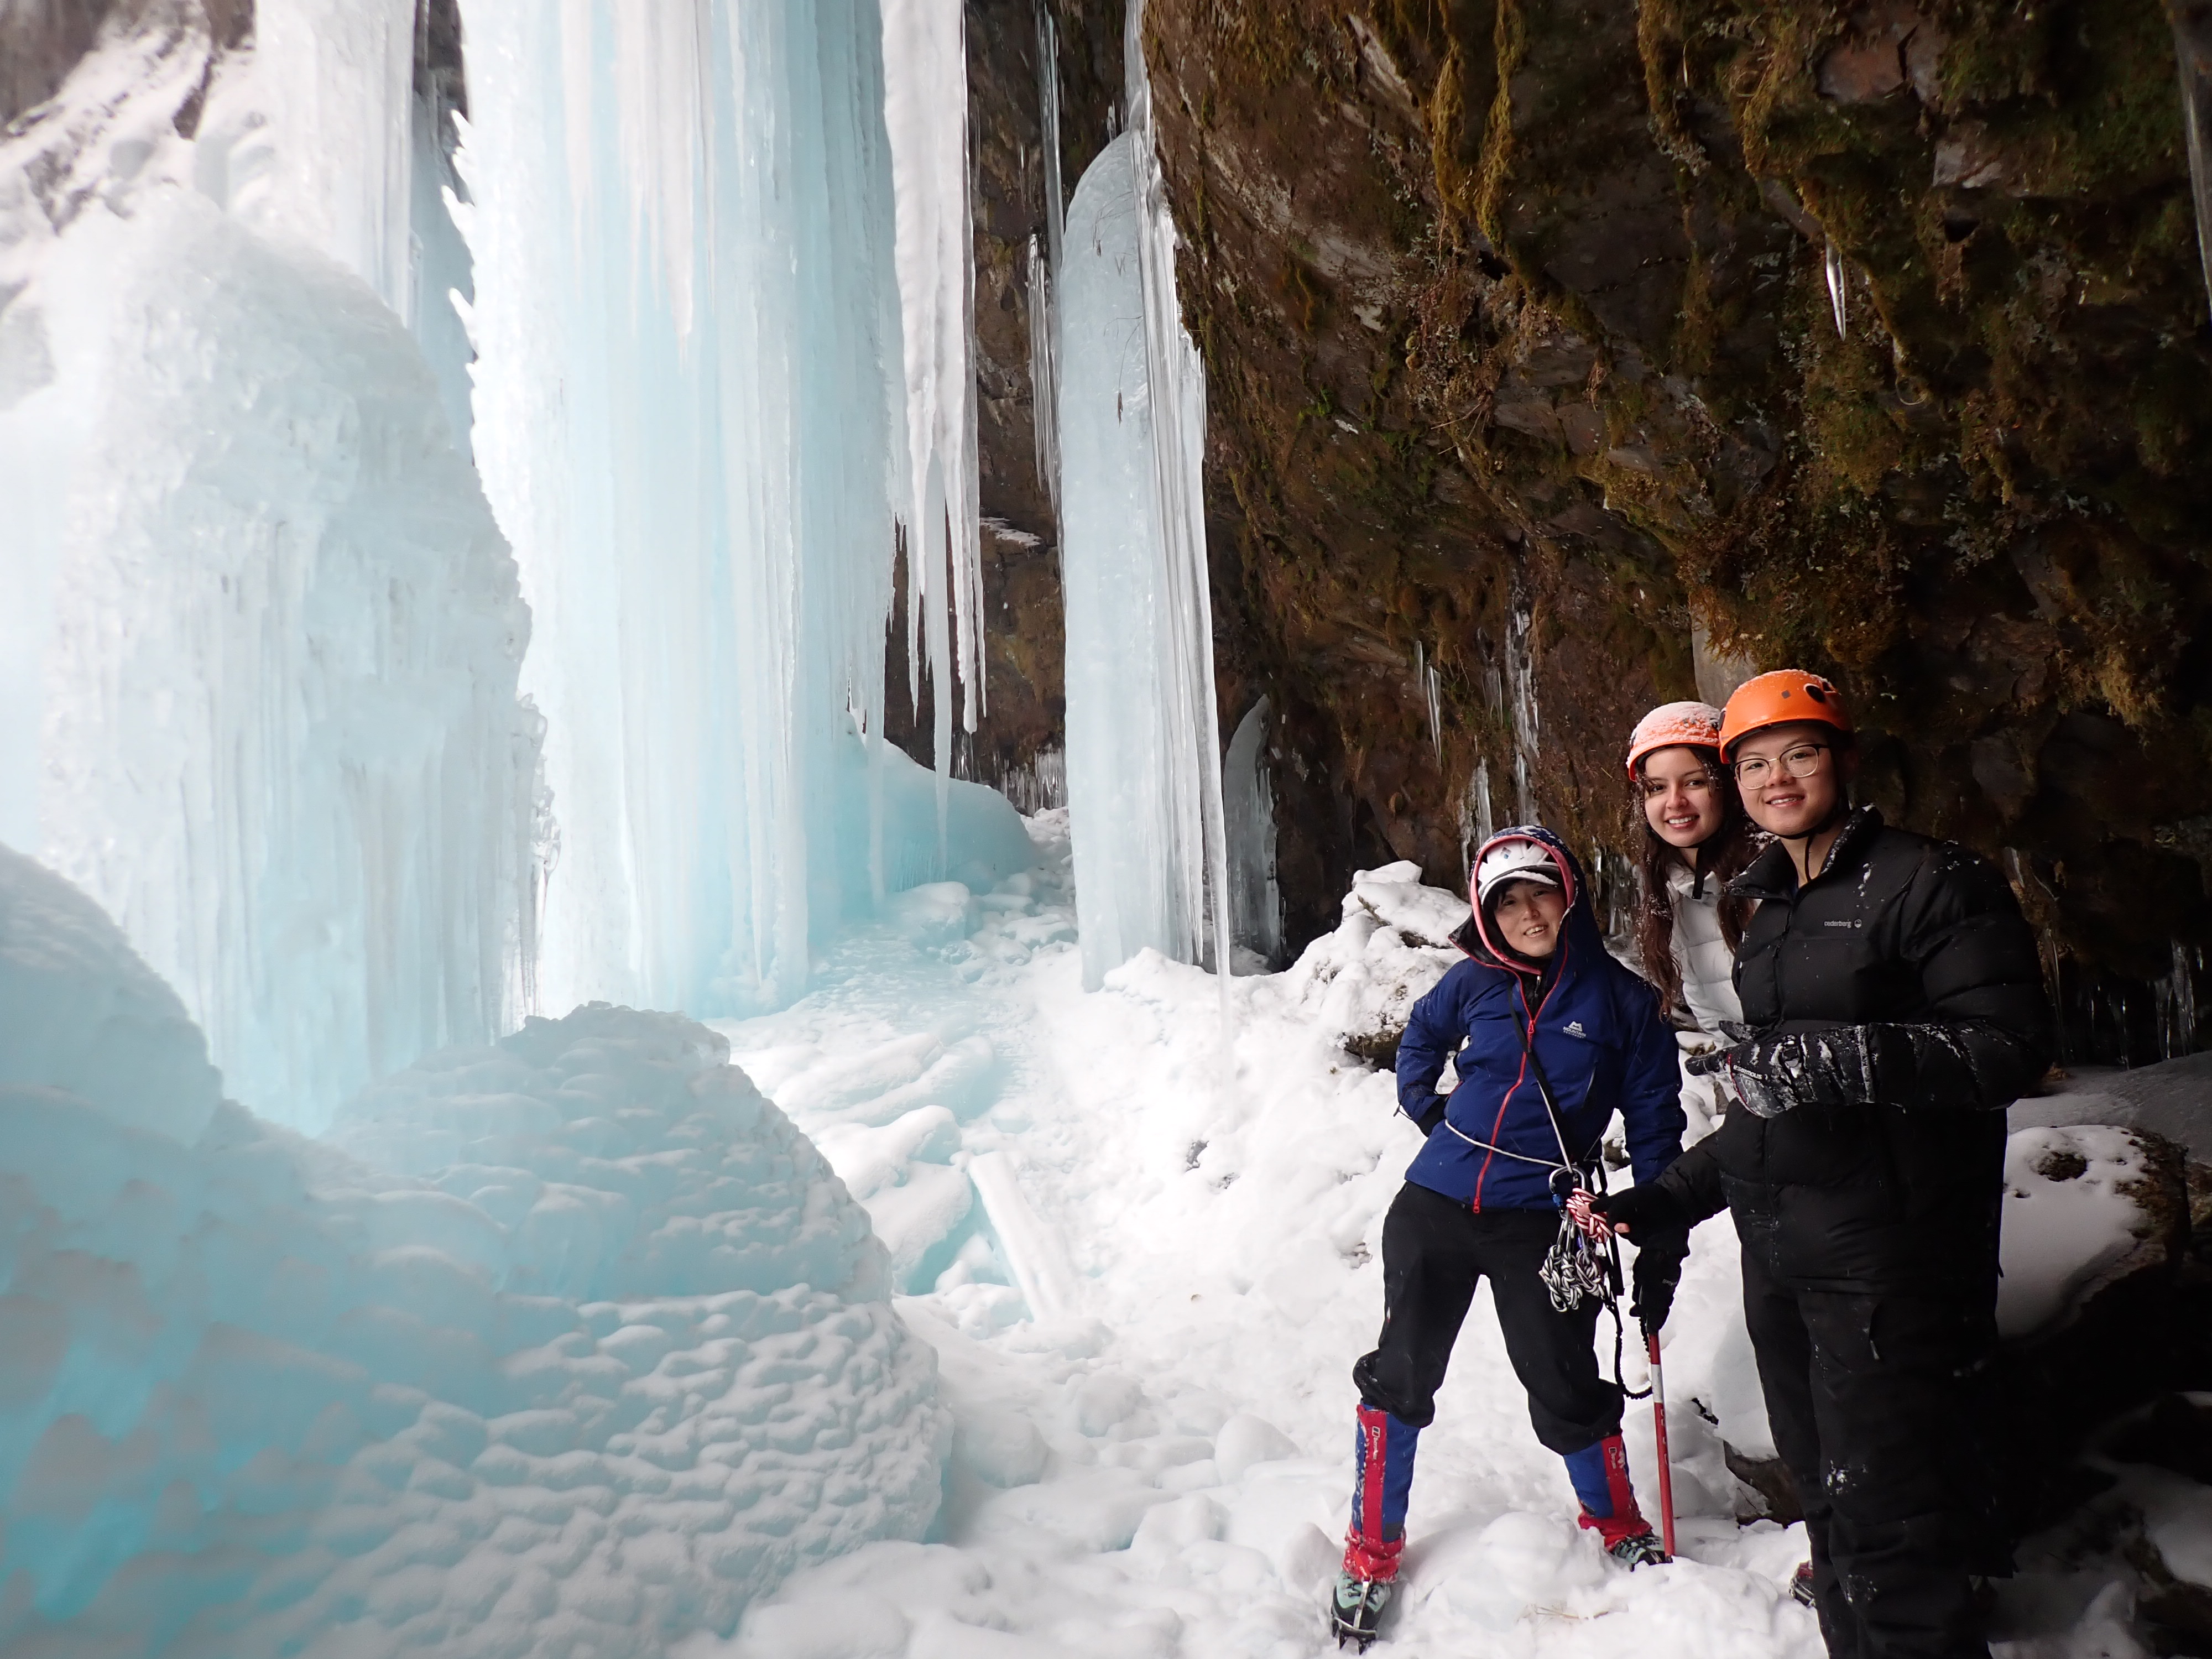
x: 1792, y: 806
x: 1682, y: 797
x: 1526, y: 918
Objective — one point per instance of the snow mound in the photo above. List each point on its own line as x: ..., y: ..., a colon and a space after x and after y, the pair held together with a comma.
x: 619, y: 1154
x: 1360, y: 982
x: 2074, y: 1222
x: 257, y: 1397
x: 80, y: 1012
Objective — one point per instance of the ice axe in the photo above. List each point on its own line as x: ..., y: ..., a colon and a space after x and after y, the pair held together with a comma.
x: 1659, y: 1435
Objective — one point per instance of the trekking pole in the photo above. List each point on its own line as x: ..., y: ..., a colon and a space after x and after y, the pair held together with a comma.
x: 1659, y: 1434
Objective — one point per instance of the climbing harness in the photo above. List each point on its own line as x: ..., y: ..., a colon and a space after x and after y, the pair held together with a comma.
x: 1584, y: 1260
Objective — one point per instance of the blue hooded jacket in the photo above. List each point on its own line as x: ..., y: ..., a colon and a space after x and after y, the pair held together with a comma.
x: 1597, y: 1035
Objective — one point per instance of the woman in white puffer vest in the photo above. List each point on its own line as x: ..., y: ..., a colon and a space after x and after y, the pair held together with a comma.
x: 1694, y: 838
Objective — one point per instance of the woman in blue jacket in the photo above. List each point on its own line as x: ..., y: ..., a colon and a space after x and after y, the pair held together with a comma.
x: 1539, y: 1006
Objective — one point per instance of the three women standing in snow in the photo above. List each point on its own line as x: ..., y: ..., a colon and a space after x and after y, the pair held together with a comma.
x: 1884, y: 1005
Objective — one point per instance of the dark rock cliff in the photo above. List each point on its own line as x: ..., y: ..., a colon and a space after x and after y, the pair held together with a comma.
x: 1522, y: 322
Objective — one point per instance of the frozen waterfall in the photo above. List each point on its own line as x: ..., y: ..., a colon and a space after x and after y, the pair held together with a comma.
x: 263, y: 634
x: 1144, y: 751
x: 704, y: 497
x: 261, y: 673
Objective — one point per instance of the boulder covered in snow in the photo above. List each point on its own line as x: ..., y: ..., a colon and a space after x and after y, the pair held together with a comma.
x: 600, y: 1354
x: 1360, y: 982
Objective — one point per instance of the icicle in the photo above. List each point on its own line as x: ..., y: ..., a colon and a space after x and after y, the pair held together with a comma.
x: 1527, y: 726
x: 1432, y: 697
x: 2192, y: 50
x: 925, y: 109
x: 1832, y: 263
x: 2178, y: 1005
x: 1056, y: 196
x: 1044, y: 377
x: 1177, y: 378
x: 1045, y: 265
x: 1478, y: 822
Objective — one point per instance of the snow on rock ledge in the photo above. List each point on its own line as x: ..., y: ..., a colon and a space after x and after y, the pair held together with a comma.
x: 1361, y: 981
x: 2085, y: 1206
x: 258, y: 1397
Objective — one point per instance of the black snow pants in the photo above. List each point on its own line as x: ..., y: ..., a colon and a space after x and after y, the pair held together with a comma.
x: 1873, y: 1402
x: 1435, y: 1249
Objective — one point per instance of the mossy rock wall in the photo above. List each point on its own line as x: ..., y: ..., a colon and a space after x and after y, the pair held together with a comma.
x: 1518, y: 316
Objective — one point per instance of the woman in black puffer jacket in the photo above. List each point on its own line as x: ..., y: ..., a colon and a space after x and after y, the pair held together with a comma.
x: 1897, y: 1008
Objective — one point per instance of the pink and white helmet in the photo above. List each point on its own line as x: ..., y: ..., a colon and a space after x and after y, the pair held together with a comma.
x: 1673, y: 725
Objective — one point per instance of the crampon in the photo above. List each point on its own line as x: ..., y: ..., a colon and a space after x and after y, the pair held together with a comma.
x: 1355, y: 1610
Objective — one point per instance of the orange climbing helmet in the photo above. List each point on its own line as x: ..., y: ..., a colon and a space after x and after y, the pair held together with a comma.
x: 1781, y: 698
x: 1673, y: 725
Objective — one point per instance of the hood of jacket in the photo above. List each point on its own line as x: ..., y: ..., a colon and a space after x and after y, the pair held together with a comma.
x: 1578, y: 929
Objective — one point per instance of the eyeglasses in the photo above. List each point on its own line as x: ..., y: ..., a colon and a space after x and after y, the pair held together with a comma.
x: 1655, y: 787
x: 1799, y: 761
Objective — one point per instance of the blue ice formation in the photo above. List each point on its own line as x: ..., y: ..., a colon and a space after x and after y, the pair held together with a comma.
x: 569, y: 1343
x: 260, y: 651
x: 701, y: 414
x: 1144, y: 751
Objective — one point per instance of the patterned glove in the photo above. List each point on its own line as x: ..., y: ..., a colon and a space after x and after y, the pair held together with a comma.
x: 1754, y: 1075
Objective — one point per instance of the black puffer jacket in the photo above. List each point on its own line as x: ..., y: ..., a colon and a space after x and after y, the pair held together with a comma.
x: 1898, y: 1008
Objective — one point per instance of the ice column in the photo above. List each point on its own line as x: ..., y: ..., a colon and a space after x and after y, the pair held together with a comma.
x: 1143, y: 741
x: 283, y: 743
x: 690, y: 417
x: 1256, y: 903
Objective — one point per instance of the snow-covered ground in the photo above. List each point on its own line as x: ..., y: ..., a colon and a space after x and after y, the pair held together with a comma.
x: 1146, y: 1324
x: 570, y: 1343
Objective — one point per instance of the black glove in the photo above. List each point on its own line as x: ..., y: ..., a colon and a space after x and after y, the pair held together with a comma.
x: 1649, y: 1209
x: 1656, y: 1272
x: 1428, y: 1120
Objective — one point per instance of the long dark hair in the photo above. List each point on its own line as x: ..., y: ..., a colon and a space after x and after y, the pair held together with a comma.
x: 1720, y: 857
